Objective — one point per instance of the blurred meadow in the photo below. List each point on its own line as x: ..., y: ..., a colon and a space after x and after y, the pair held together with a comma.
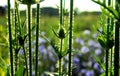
x: 85, y: 43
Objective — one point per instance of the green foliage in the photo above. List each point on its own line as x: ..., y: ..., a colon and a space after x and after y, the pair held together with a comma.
x: 20, y: 71
x: 109, y: 8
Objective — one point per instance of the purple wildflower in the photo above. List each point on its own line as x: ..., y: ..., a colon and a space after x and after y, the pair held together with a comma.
x: 84, y: 49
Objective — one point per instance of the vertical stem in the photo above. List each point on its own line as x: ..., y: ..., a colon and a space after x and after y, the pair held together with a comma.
x: 37, y: 35
x: 111, y: 63
x: 70, y: 37
x: 60, y: 69
x: 61, y: 12
x: 15, y: 18
x: 116, y: 51
x: 29, y: 35
x: 10, y: 39
x: 26, y: 64
x: 60, y: 58
x: 107, y: 50
x: 107, y: 55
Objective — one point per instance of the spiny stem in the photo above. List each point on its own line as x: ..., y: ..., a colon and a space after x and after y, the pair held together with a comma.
x: 10, y: 39
x: 61, y: 12
x: 15, y: 23
x: 70, y: 37
x: 37, y: 35
x: 26, y: 64
x: 116, y: 51
x: 111, y: 63
x: 60, y: 59
x: 29, y: 35
x: 107, y: 50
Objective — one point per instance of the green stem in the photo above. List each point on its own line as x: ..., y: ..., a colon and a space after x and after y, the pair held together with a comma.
x: 60, y: 69
x: 108, y: 37
x: 111, y: 63
x: 10, y: 39
x: 107, y: 55
x: 15, y: 18
x: 37, y: 35
x: 29, y: 36
x: 60, y: 58
x: 70, y: 38
x: 61, y: 12
x: 116, y: 51
x: 16, y: 59
x: 26, y: 64
x: 107, y: 50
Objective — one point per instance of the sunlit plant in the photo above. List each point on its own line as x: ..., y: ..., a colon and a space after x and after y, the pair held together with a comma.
x: 111, y: 8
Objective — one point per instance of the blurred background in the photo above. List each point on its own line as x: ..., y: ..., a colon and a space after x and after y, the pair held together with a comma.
x: 86, y: 21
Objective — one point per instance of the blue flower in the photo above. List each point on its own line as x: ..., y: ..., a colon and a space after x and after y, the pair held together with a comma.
x: 42, y: 49
x: 90, y: 73
x: 41, y: 40
x: 86, y: 32
x: 80, y: 41
x: 98, y: 51
x: 84, y: 49
x: 21, y: 52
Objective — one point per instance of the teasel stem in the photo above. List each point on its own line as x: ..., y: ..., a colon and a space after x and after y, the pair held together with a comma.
x: 111, y: 63
x: 25, y: 57
x: 37, y: 35
x: 107, y: 49
x: 15, y: 21
x: 111, y: 50
x: 60, y: 58
x: 70, y: 39
x: 116, y: 51
x: 10, y: 39
x: 29, y: 37
x: 61, y: 12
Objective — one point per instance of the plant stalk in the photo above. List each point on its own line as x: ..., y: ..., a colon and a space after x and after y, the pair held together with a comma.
x: 37, y: 35
x: 70, y: 39
x: 116, y: 51
x: 60, y: 58
x: 29, y: 36
x: 26, y: 64
x: 111, y: 63
x: 61, y: 12
x: 10, y: 39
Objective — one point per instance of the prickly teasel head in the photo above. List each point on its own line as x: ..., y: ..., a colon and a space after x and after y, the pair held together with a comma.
x: 30, y: 1
x: 61, y: 32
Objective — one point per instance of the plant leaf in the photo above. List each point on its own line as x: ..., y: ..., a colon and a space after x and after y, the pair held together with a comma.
x: 102, y: 42
x: 109, y: 8
x: 20, y: 71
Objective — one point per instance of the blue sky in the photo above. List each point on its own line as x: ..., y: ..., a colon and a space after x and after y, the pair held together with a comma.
x: 82, y: 5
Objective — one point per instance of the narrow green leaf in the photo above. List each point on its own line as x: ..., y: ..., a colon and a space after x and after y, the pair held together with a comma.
x: 20, y: 71
x: 102, y: 42
x: 56, y: 34
x: 109, y: 8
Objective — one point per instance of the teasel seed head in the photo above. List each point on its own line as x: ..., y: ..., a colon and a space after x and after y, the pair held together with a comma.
x: 61, y: 32
x: 30, y: 1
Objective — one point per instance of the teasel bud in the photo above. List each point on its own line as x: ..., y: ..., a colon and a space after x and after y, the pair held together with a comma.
x: 21, y: 40
x: 30, y: 1
x: 61, y: 32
